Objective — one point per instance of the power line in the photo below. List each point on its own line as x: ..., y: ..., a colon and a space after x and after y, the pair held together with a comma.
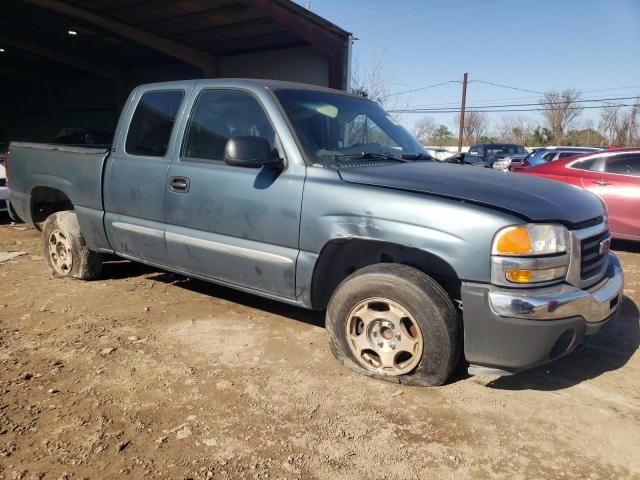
x: 424, y: 88
x: 370, y: 6
x: 384, y: 10
x: 527, y: 97
x: 409, y: 110
x: 505, y: 86
x: 456, y: 11
x: 560, y: 102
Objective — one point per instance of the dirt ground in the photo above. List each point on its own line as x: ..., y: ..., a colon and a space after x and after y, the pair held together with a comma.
x: 148, y: 374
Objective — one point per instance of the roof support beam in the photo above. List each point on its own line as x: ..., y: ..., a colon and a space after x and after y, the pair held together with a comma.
x: 115, y: 74
x: 206, y: 62
x: 100, y: 69
x: 136, y: 7
x: 182, y: 20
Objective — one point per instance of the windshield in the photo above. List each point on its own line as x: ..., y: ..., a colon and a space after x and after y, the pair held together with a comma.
x: 505, y: 150
x: 332, y: 127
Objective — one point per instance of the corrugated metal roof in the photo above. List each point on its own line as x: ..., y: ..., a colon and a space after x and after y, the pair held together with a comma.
x: 217, y: 27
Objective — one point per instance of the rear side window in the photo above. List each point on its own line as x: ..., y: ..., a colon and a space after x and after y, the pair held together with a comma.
x: 624, y: 165
x: 152, y: 123
x: 219, y: 115
x: 594, y: 164
x: 568, y: 154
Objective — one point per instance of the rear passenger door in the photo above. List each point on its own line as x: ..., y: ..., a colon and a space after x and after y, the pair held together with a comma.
x: 621, y: 190
x: 135, y: 176
x: 234, y: 224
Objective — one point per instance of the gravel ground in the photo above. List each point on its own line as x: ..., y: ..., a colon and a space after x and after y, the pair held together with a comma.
x: 148, y: 374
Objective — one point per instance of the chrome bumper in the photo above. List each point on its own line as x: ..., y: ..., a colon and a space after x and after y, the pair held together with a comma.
x: 563, y: 301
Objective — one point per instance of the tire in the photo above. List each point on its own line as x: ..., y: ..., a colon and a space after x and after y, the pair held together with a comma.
x: 65, y: 250
x: 405, y: 312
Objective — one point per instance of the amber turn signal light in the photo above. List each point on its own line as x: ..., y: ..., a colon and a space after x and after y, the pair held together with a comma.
x: 514, y: 241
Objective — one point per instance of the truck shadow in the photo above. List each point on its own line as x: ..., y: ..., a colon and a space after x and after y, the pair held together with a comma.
x: 245, y: 299
x: 606, y: 351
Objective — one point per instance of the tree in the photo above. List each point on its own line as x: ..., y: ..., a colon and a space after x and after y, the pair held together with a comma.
x: 560, y: 110
x: 609, y: 123
x: 541, y: 136
x: 586, y: 137
x: 515, y: 129
x: 476, y: 125
x: 373, y: 82
x: 423, y: 130
x: 442, y: 136
x: 628, y: 131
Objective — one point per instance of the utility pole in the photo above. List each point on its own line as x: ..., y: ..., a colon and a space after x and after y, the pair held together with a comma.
x: 308, y: 4
x: 464, y: 100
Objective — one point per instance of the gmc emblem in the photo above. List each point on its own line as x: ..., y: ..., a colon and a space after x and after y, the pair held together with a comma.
x: 605, y: 245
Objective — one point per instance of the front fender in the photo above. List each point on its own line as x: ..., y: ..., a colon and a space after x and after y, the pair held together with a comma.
x: 458, y: 232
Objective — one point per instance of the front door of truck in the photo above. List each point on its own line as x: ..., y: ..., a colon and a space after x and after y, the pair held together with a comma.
x: 233, y: 224
x: 135, y: 177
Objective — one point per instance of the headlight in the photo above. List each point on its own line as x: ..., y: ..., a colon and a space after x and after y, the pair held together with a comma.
x: 531, y: 240
x: 530, y: 254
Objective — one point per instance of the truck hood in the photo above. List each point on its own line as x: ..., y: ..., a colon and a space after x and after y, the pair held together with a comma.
x: 533, y: 198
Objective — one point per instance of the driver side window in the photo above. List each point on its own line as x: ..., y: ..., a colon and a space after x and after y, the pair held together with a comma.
x: 219, y: 115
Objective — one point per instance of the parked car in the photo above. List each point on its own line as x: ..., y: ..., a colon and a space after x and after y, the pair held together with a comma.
x: 315, y: 197
x: 4, y: 190
x: 485, y: 154
x: 505, y: 163
x: 549, y: 154
x: 613, y: 175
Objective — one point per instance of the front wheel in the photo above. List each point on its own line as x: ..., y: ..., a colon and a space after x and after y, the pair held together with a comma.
x: 65, y: 250
x: 394, y: 322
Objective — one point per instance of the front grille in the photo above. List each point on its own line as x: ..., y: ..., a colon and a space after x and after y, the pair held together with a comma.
x: 593, y: 263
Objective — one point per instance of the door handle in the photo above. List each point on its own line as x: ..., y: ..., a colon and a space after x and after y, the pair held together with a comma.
x: 601, y: 182
x: 179, y: 184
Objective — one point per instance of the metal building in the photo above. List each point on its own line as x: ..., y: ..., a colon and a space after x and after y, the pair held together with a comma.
x: 67, y: 64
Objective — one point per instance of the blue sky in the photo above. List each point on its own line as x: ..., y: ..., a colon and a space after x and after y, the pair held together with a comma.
x: 533, y: 44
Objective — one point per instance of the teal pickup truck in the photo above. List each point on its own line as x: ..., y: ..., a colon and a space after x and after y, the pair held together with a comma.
x: 319, y: 198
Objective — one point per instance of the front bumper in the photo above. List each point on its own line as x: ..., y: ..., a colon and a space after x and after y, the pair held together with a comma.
x: 515, y: 329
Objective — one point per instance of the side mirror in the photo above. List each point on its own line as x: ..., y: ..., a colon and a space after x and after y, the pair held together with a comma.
x: 250, y: 152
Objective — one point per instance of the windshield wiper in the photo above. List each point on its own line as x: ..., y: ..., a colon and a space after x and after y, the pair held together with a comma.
x: 417, y: 156
x: 369, y: 156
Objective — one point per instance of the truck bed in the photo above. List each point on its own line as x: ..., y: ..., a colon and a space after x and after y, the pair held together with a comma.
x: 74, y: 171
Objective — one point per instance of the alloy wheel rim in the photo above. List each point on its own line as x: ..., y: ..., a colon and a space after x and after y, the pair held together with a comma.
x: 60, y: 252
x: 384, y: 337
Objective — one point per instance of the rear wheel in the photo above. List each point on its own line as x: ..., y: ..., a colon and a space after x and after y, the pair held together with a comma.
x: 65, y: 250
x: 396, y: 323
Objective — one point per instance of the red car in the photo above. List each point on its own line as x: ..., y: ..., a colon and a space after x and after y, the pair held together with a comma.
x: 613, y: 175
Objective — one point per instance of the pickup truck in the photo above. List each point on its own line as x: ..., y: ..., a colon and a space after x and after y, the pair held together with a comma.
x: 486, y: 154
x: 318, y: 198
